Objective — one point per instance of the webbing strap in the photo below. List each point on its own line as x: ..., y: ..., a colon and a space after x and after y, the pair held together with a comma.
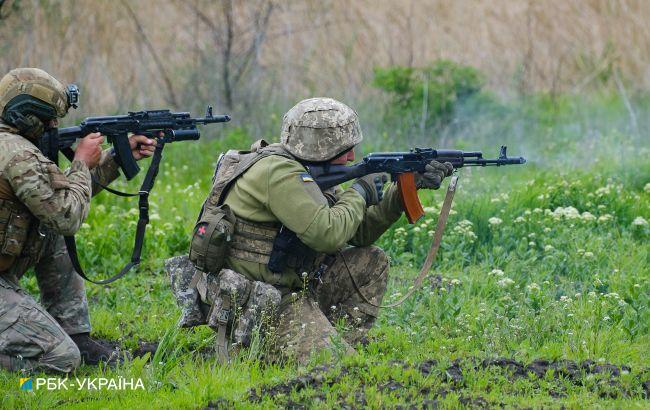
x: 431, y: 255
x: 143, y: 220
x: 222, y: 340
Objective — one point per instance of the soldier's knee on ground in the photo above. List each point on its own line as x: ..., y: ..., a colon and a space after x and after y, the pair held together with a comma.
x: 369, y: 268
x: 30, y: 336
x: 65, y: 357
x: 304, y: 330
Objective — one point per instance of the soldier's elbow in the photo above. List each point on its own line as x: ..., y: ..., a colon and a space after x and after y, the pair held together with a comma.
x: 62, y: 225
x: 68, y: 229
x: 328, y: 243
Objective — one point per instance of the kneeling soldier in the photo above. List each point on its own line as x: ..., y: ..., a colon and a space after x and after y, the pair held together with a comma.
x: 38, y: 204
x: 328, y: 270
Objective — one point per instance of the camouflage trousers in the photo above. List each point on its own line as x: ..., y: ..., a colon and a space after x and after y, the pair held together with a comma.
x: 35, y: 336
x: 307, y: 325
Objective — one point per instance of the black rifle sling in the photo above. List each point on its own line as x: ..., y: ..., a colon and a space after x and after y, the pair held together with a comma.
x: 143, y: 220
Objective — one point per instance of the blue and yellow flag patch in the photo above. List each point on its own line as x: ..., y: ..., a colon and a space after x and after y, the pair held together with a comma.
x: 306, y: 177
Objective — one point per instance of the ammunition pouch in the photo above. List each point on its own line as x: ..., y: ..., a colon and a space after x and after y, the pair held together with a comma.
x: 289, y: 252
x: 211, y: 238
x: 230, y: 304
x: 20, y: 240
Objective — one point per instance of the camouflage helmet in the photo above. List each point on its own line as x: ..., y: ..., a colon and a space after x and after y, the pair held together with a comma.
x: 33, y: 91
x: 320, y: 129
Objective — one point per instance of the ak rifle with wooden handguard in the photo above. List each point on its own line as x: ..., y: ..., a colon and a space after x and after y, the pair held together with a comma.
x: 402, y: 167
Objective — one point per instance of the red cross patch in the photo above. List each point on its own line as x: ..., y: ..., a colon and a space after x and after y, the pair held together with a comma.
x: 201, y: 230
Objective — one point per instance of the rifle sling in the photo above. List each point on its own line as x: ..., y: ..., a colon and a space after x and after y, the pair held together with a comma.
x: 431, y: 255
x: 143, y: 220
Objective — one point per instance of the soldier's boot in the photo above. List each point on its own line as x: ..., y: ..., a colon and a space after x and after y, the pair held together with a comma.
x: 340, y: 299
x: 95, y: 351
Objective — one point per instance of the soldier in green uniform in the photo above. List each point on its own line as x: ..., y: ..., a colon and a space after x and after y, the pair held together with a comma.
x: 38, y: 204
x: 269, y: 189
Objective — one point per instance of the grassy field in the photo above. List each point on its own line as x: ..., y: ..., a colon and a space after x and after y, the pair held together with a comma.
x: 538, y: 298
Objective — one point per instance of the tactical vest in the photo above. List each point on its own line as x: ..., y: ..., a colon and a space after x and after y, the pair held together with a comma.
x: 21, y: 241
x: 218, y: 232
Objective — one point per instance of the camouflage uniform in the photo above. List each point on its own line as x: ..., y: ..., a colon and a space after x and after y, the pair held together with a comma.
x: 39, y: 203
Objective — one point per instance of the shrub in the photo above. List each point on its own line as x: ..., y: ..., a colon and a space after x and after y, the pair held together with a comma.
x: 427, y: 97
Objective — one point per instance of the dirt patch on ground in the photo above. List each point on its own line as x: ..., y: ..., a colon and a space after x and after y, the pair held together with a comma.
x: 302, y: 391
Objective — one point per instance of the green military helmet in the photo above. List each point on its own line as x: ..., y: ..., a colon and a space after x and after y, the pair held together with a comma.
x: 320, y: 129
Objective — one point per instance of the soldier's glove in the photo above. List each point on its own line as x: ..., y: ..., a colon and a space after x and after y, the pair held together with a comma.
x: 370, y: 187
x: 434, y: 173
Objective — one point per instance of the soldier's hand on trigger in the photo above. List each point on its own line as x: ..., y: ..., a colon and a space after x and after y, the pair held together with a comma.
x: 141, y: 146
x: 371, y: 187
x: 434, y: 173
x: 89, y: 150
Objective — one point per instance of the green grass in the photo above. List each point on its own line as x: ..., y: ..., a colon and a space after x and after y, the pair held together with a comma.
x: 563, y: 273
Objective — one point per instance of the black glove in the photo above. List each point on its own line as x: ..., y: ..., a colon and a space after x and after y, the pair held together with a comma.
x: 434, y: 173
x: 370, y: 187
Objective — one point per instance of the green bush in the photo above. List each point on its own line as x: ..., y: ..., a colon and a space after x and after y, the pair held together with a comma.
x: 427, y: 96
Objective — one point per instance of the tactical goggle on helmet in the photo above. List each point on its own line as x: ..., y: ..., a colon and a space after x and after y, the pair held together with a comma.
x: 73, y: 93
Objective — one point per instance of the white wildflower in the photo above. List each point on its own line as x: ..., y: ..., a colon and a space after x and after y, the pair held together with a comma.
x: 638, y: 221
x: 505, y: 282
x: 548, y: 248
x: 495, y: 221
x: 588, y: 216
x: 496, y: 272
x: 646, y: 188
x: 533, y: 287
x: 604, y: 218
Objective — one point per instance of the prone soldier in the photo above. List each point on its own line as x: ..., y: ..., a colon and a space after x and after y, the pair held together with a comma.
x: 38, y: 204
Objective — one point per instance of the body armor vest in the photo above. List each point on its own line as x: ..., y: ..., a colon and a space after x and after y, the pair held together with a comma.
x: 21, y: 241
x: 248, y: 240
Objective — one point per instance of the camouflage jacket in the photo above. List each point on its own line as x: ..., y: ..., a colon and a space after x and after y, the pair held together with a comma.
x: 38, y: 197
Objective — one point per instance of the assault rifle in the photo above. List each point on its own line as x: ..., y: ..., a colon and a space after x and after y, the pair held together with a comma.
x: 402, y: 167
x: 175, y: 126
x: 162, y: 125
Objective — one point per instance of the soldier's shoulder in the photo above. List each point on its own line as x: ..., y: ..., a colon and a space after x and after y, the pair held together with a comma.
x: 278, y: 163
x: 12, y: 145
